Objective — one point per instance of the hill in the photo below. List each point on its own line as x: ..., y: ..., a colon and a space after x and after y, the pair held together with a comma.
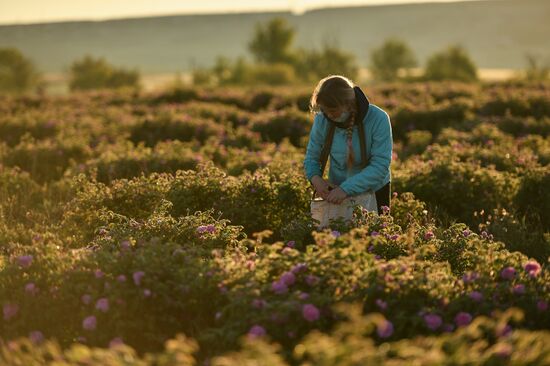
x: 497, y: 33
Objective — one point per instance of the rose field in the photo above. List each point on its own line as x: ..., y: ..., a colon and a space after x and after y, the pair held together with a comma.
x: 173, y: 228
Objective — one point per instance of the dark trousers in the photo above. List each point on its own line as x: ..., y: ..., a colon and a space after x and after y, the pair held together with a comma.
x: 383, y: 197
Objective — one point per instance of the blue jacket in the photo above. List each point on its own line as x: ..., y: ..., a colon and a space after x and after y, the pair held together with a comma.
x: 379, y: 145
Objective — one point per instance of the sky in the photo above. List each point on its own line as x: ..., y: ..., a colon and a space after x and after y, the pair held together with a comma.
x: 41, y: 11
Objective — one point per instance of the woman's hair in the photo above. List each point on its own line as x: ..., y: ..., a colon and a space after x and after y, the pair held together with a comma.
x: 332, y: 91
x: 336, y: 91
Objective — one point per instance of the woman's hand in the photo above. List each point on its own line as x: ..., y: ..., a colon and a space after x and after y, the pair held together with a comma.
x: 322, y: 187
x: 337, y: 195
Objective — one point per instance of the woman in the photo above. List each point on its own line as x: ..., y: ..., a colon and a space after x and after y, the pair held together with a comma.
x: 337, y: 101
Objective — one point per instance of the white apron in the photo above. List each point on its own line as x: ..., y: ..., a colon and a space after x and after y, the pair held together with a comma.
x: 324, y: 211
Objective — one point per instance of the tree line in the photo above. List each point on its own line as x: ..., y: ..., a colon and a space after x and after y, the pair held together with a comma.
x: 275, y: 62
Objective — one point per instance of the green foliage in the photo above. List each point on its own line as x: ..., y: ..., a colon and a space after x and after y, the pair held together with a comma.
x: 272, y: 41
x: 451, y: 64
x: 313, y: 64
x: 277, y: 63
x: 456, y: 188
x: 392, y: 56
x: 275, y: 126
x: 417, y: 141
x: 173, y: 126
x: 46, y: 160
x: 95, y: 73
x: 432, y: 119
x: 272, y: 74
x: 532, y: 200
x: 535, y: 72
x: 179, y: 211
x: 17, y: 72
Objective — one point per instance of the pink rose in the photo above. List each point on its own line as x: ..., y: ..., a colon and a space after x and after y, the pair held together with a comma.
x: 31, y: 288
x: 102, y: 304
x: 256, y: 331
x: 470, y: 277
x: 288, y: 278
x: 532, y: 268
x: 508, y: 273
x: 137, y: 276
x: 10, y: 310
x: 518, y: 289
x: 310, y: 312
x: 89, y: 323
x: 462, y: 319
x: 381, y: 304
x: 36, y: 336
x: 115, y: 342
x: 125, y: 244
x: 86, y: 299
x: 286, y: 250
x: 433, y: 321
x: 24, y: 261
x: 476, y: 296
x: 300, y: 267
x: 312, y: 280
x: 259, y: 303
x: 384, y: 329
x: 279, y: 287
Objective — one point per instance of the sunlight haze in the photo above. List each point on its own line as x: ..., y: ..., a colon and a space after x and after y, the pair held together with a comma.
x: 41, y: 11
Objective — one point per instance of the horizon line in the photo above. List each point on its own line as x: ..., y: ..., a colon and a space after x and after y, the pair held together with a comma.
x: 284, y: 10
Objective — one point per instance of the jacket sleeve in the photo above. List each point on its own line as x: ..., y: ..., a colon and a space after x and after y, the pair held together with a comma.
x: 312, y: 165
x: 372, y: 176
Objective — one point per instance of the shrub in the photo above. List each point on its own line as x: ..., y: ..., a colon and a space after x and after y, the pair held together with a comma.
x: 129, y: 161
x: 451, y: 64
x: 173, y: 126
x: 46, y: 160
x: 458, y: 189
x: 389, y: 58
x: 95, y: 73
x: 312, y: 64
x: 277, y: 125
x: 272, y: 74
x: 532, y: 200
x: 17, y: 72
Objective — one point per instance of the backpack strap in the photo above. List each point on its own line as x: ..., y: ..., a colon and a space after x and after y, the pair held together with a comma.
x: 326, y: 150
x: 327, y: 146
x: 364, y: 160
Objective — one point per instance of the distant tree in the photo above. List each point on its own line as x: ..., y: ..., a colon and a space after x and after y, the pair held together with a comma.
x: 240, y: 72
x: 451, y: 64
x: 389, y: 58
x: 272, y: 42
x: 202, y: 76
x: 534, y: 70
x: 17, y: 73
x: 312, y: 64
x: 95, y: 73
x: 222, y: 69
